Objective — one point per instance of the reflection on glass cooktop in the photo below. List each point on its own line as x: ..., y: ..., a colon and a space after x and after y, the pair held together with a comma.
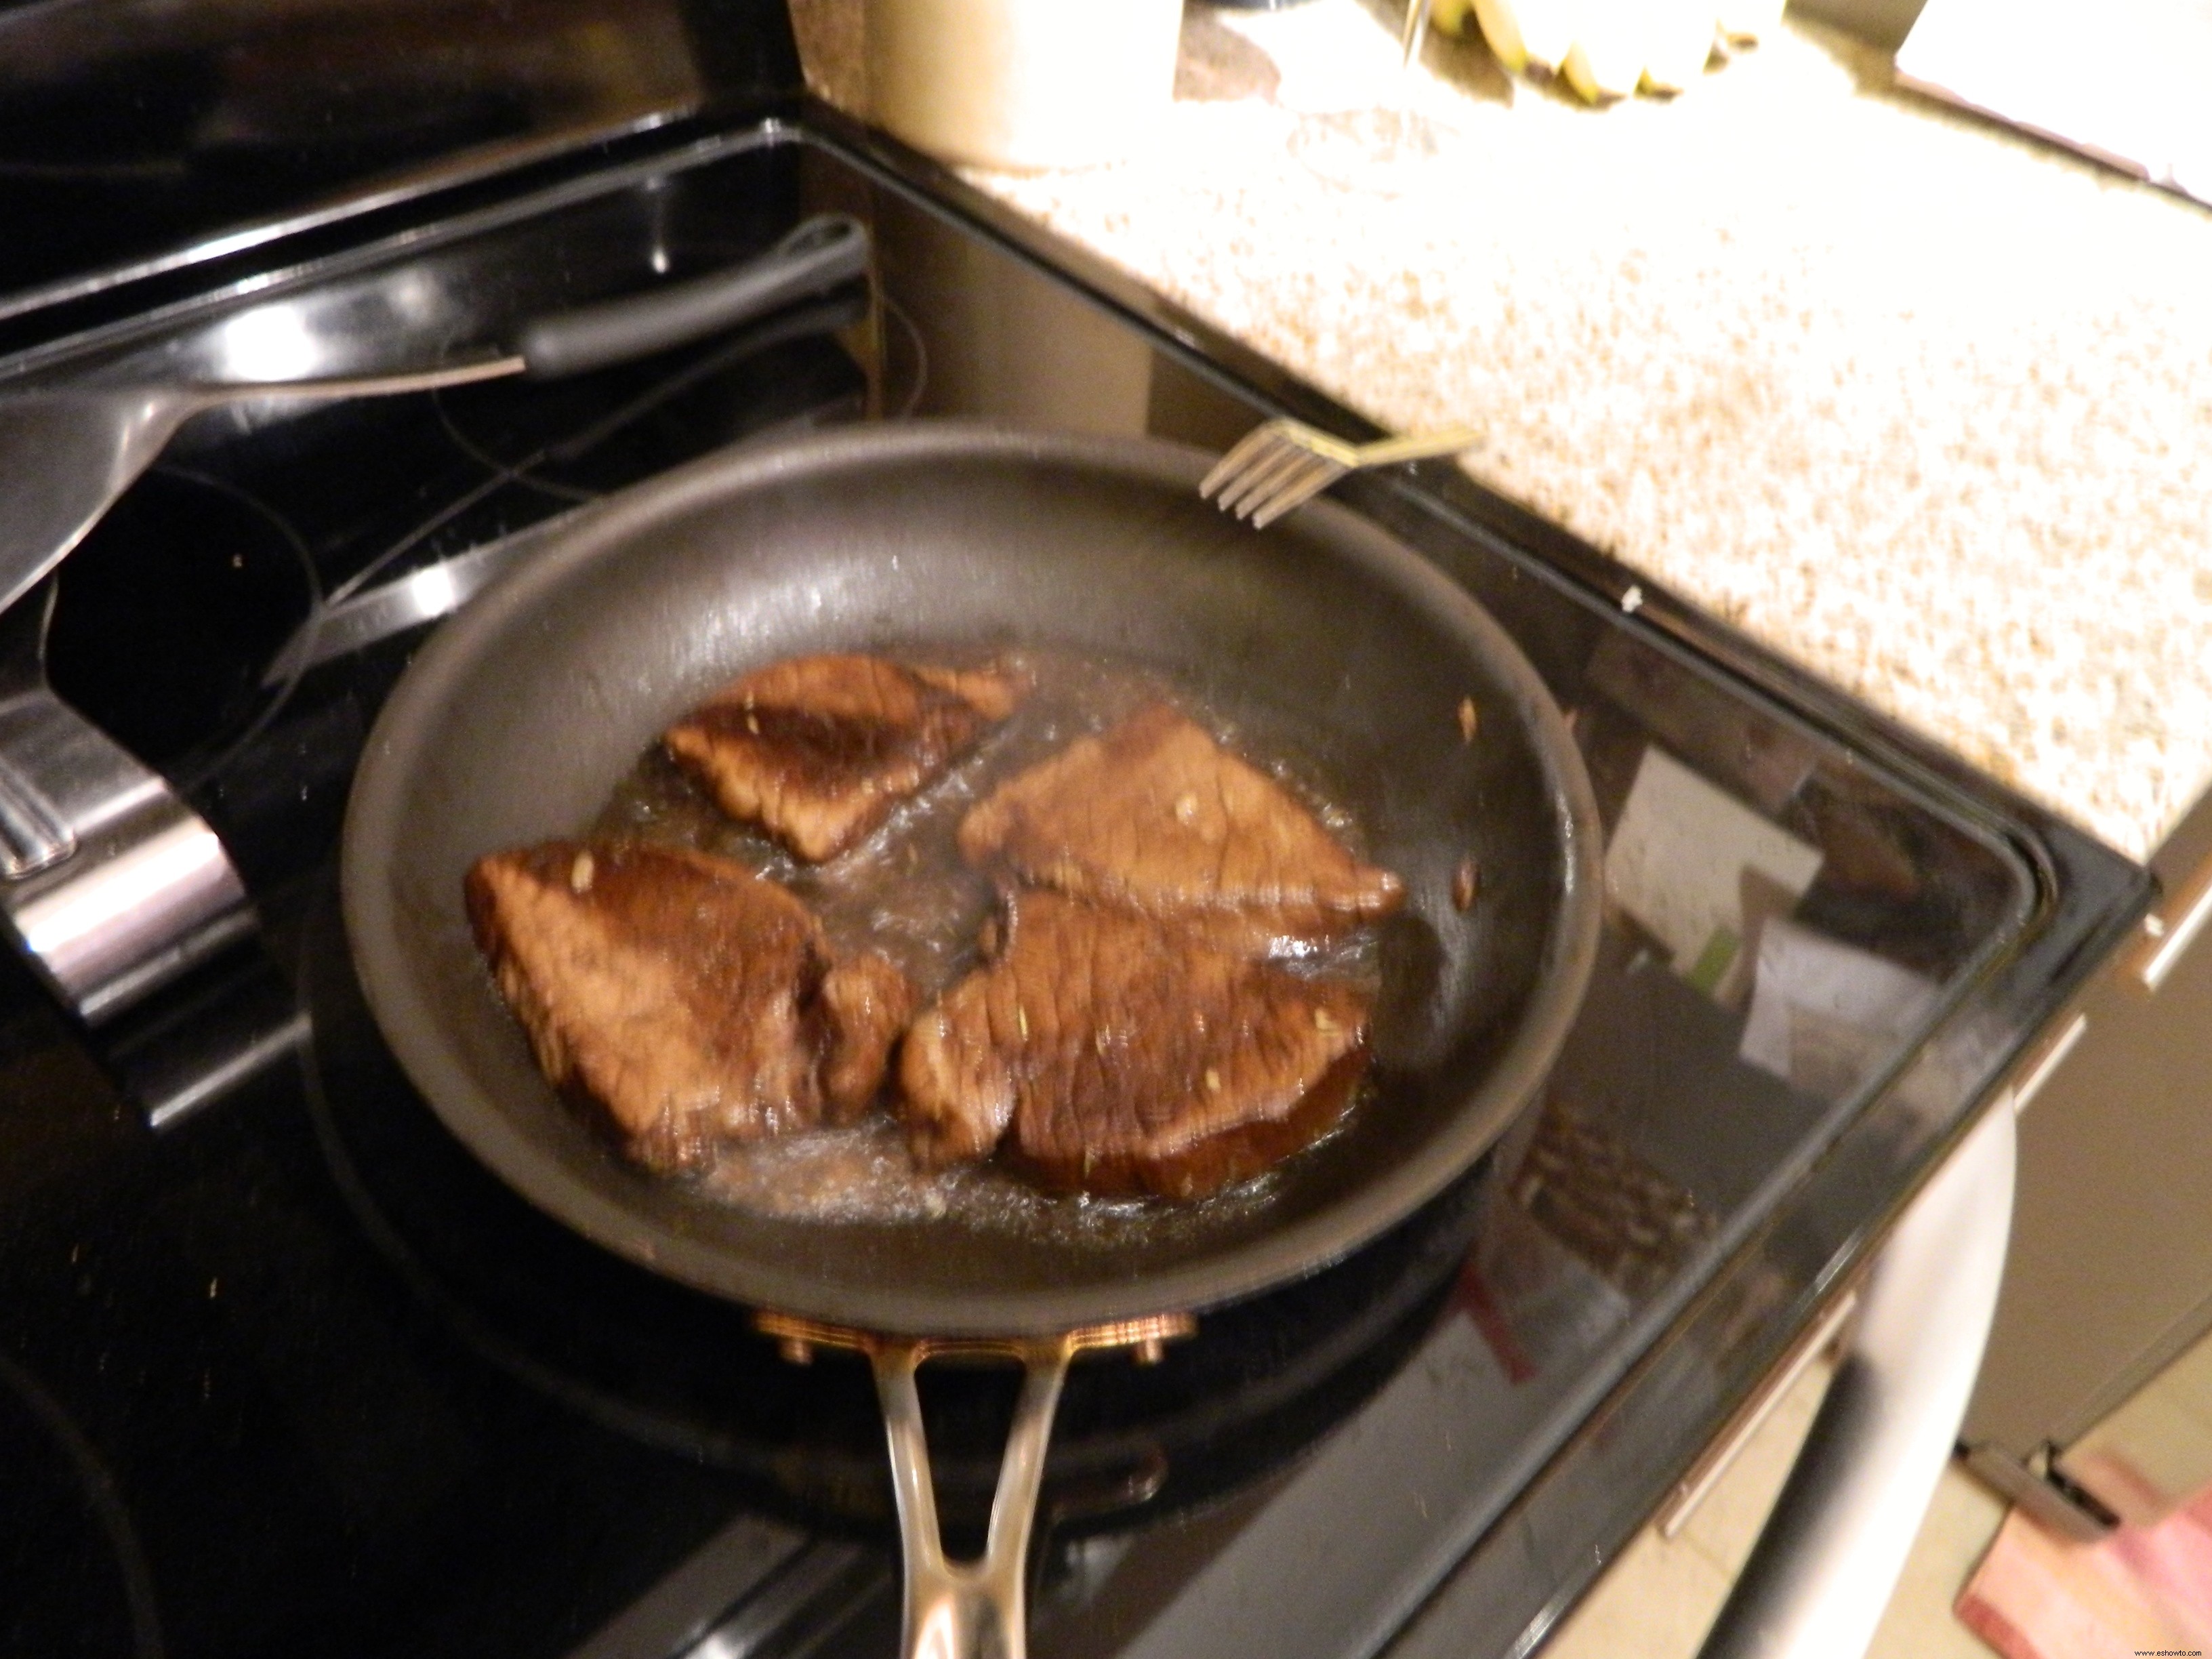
x: 319, y: 1383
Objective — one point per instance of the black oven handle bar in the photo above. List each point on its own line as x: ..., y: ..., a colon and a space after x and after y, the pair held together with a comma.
x: 825, y: 252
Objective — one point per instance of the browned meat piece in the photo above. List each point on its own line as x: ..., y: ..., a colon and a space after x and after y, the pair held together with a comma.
x: 695, y: 1002
x: 1124, y: 1056
x: 1155, y: 814
x: 816, y: 751
x: 867, y: 1002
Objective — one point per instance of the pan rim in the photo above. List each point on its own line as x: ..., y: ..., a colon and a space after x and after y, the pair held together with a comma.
x: 404, y: 732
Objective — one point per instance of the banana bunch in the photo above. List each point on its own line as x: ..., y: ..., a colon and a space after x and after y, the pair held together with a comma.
x: 1611, y: 48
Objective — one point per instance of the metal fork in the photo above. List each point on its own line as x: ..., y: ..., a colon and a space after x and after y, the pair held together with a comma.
x: 1284, y: 463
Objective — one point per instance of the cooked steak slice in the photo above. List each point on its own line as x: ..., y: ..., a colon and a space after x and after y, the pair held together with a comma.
x: 1155, y: 814
x: 1115, y: 1055
x: 866, y: 1003
x: 816, y: 751
x: 693, y: 1001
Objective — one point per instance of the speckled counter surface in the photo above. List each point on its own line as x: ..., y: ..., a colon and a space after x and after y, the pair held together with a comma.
x: 1924, y: 405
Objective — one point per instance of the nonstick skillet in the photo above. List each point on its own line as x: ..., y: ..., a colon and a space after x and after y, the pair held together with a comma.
x: 518, y: 718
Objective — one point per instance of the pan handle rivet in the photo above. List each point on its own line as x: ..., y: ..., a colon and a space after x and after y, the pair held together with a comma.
x: 1151, y: 1351
x: 796, y: 1350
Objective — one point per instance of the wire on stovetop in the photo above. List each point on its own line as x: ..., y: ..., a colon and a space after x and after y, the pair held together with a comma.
x: 274, y: 705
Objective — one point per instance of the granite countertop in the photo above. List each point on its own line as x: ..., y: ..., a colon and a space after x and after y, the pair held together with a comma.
x: 1923, y: 405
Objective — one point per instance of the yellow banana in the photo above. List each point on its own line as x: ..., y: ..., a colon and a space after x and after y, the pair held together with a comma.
x: 1607, y: 49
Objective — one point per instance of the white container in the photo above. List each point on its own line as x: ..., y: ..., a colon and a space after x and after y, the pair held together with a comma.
x: 1022, y: 84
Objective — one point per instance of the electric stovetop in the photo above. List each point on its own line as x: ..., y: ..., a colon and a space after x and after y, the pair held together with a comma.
x: 282, y: 1371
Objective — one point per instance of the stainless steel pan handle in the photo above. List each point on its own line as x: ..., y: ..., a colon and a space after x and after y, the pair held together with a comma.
x: 961, y: 1608
x: 1824, y: 1568
x: 970, y: 1609
x: 110, y: 885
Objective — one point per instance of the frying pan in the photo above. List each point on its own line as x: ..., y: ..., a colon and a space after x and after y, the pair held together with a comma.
x: 517, y: 720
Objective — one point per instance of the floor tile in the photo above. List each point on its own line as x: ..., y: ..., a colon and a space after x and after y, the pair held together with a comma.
x: 2155, y: 1452
x: 2188, y: 1381
x: 1725, y: 1525
x: 2149, y: 1457
x: 1655, y: 1601
x: 1962, y: 1518
x: 1658, y: 1601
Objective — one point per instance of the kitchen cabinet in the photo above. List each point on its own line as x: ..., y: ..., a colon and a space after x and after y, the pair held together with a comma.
x: 2110, y: 1275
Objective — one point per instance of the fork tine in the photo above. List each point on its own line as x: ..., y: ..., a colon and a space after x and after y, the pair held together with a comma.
x: 1281, y: 463
x: 1262, y: 459
x: 1264, y: 492
x: 1258, y: 441
x: 1298, y: 489
x: 1261, y: 476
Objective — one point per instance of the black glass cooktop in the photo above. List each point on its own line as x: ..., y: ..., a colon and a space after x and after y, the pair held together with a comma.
x: 283, y: 1371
